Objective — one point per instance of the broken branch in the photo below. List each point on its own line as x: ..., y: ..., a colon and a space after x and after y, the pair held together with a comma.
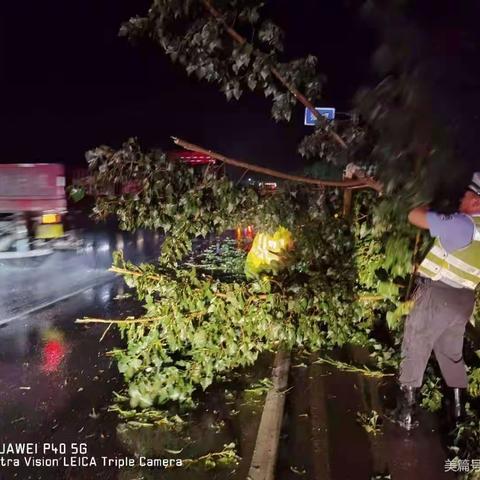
x: 363, y: 183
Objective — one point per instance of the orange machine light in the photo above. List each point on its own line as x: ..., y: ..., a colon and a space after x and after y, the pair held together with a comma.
x: 48, y: 218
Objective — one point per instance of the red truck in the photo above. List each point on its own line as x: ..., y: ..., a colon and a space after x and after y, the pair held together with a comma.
x: 32, y: 204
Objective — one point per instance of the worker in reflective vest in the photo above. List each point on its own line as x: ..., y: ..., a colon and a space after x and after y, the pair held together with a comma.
x: 444, y: 300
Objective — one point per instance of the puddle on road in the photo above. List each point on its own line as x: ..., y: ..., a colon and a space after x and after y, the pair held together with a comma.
x: 322, y: 439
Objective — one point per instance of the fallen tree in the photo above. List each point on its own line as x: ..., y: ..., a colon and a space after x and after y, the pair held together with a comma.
x: 343, y: 278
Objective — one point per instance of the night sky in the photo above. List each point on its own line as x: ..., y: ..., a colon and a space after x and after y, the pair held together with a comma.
x: 69, y: 83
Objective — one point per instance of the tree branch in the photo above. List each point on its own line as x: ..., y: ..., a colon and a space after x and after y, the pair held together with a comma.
x: 123, y: 271
x: 118, y: 322
x: 363, y: 183
x: 291, y: 88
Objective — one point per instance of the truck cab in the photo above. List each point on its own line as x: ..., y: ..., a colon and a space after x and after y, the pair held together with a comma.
x: 32, y: 205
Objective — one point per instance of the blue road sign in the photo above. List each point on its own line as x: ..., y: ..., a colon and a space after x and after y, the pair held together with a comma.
x: 328, y: 113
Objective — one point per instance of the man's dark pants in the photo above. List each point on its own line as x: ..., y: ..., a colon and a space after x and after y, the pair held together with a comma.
x: 437, y: 322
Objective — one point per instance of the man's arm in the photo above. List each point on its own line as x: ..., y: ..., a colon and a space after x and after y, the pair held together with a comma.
x: 418, y: 217
x: 454, y: 231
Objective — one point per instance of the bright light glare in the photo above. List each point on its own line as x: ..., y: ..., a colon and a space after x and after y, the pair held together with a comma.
x: 104, y: 248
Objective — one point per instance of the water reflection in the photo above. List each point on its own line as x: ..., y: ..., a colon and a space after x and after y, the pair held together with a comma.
x: 418, y: 455
x: 105, y: 293
x: 119, y: 244
x: 65, y: 273
x: 54, y: 350
x: 140, y: 243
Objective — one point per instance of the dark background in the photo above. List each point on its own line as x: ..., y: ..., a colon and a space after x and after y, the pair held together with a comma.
x: 69, y: 83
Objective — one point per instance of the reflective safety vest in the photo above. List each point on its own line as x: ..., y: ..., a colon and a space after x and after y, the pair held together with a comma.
x: 265, y: 248
x: 460, y: 268
x: 267, y: 252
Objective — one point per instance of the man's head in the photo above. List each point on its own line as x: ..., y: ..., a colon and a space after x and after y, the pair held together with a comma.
x: 470, y: 203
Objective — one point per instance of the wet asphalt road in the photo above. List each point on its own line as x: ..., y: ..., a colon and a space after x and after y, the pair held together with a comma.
x: 324, y: 441
x: 57, y: 382
x: 35, y: 283
x: 56, y: 379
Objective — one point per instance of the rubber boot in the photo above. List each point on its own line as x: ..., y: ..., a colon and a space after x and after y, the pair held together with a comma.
x: 458, y: 408
x: 405, y: 414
